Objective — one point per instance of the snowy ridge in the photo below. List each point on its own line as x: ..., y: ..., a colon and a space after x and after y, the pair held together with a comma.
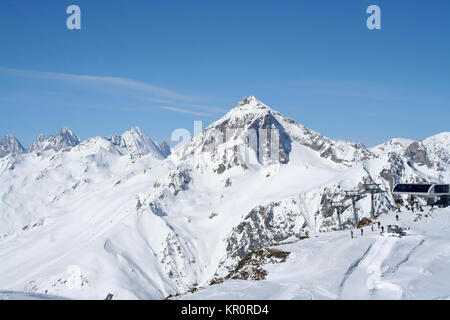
x: 396, y: 145
x: 140, y: 221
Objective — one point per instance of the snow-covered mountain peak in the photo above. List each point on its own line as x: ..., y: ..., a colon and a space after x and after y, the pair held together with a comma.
x: 253, y: 124
x: 136, y: 131
x: 140, y: 227
x: 68, y: 137
x: 138, y: 144
x: 248, y: 105
x: 397, y: 145
x: 66, y: 131
x: 439, y: 147
x: 245, y: 113
x: 442, y: 138
x: 246, y: 129
x: 251, y: 102
x: 10, y: 145
x: 64, y: 139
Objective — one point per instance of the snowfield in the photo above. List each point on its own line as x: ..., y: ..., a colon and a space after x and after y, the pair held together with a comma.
x: 334, y: 266
x: 127, y: 218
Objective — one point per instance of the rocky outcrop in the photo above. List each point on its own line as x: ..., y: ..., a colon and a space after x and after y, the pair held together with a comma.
x: 417, y: 154
x: 263, y: 226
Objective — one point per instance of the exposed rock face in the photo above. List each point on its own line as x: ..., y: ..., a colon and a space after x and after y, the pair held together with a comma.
x: 176, y: 259
x: 165, y: 149
x: 395, y: 170
x: 249, y: 132
x: 250, y: 267
x: 276, y: 221
x: 254, y: 133
x: 174, y: 223
x: 342, y: 152
x: 166, y: 191
x: 438, y: 149
x: 262, y: 227
x: 408, y: 158
x: 417, y: 154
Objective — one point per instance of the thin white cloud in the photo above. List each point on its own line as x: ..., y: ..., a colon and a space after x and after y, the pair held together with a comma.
x: 206, y: 108
x: 186, y: 104
x: 117, y: 82
x: 180, y: 110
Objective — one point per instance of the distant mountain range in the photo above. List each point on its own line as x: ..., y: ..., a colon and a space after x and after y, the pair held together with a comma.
x: 142, y: 221
x: 134, y: 142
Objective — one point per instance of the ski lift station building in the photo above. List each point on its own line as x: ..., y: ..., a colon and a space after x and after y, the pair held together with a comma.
x: 434, y: 193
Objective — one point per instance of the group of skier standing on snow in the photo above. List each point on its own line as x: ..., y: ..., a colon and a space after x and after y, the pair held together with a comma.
x: 371, y: 227
x: 397, y: 218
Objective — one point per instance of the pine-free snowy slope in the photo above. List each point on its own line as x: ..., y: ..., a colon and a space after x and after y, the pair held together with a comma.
x: 334, y: 266
x: 139, y: 225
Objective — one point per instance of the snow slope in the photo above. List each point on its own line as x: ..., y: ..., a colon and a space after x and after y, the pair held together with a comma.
x: 12, y: 295
x: 334, y: 266
x: 141, y: 222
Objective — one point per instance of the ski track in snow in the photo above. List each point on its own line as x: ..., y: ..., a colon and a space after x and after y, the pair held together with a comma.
x: 395, y: 268
x: 334, y: 266
x: 141, y: 224
x: 352, y: 269
x: 371, y: 263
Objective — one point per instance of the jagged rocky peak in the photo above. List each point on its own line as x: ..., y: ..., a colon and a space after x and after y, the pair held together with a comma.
x: 250, y: 110
x: 68, y: 138
x: 10, y: 145
x: 64, y: 139
x: 138, y: 143
x: 246, y: 111
x: 251, y: 128
x: 252, y: 120
x: 251, y: 103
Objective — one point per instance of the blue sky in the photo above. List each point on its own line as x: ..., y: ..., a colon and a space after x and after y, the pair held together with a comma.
x: 163, y: 64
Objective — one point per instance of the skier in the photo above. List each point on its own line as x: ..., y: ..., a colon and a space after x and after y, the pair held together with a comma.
x: 372, y: 228
x: 396, y: 217
x: 351, y: 233
x: 417, y: 206
x: 421, y: 209
x: 382, y: 229
x: 362, y: 231
x: 379, y: 224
